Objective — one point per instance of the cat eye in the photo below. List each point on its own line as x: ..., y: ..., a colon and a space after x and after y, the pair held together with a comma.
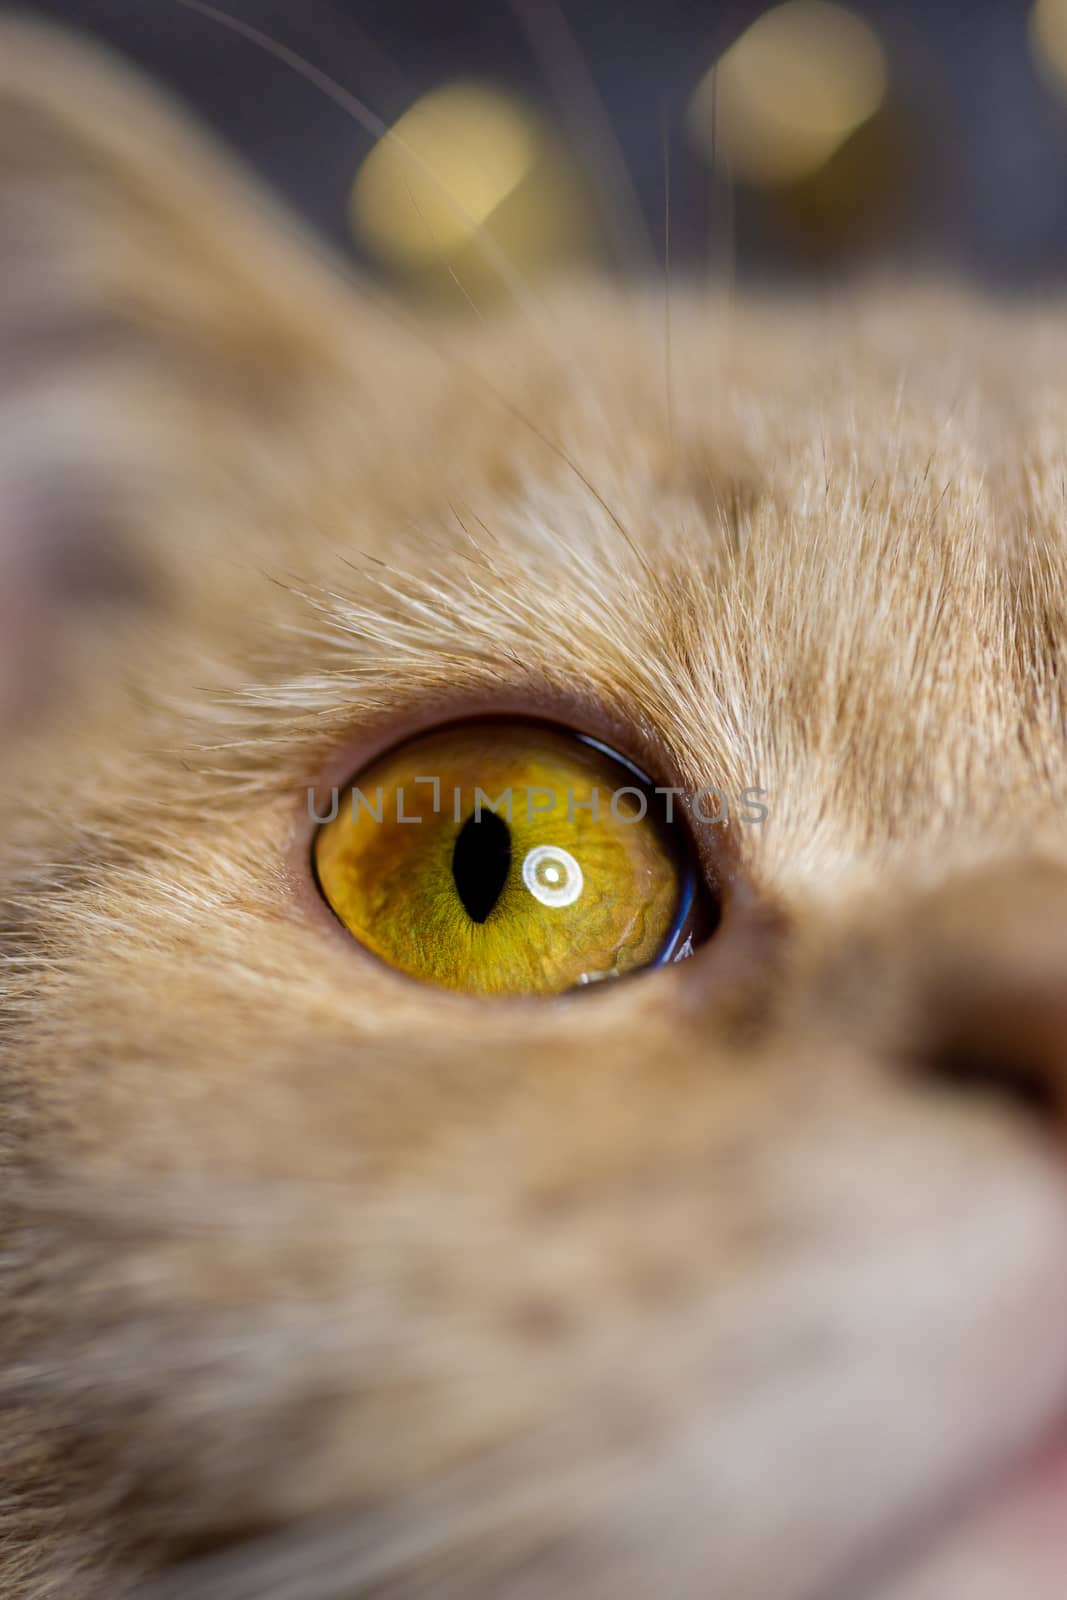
x: 511, y: 858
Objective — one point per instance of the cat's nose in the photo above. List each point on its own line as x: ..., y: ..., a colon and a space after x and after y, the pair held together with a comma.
x: 985, y: 964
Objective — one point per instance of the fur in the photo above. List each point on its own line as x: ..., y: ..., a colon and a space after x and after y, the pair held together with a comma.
x: 318, y: 1283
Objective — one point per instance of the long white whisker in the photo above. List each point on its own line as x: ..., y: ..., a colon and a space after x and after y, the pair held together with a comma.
x: 373, y: 124
x: 360, y: 112
x: 668, y: 373
x: 582, y: 106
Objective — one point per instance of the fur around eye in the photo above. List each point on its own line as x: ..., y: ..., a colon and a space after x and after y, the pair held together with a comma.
x: 507, y: 858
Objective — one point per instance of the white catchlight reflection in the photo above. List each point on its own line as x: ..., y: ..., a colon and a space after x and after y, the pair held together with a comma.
x: 552, y: 875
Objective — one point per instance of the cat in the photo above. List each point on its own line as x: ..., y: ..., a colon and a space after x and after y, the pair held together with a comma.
x: 745, y: 1276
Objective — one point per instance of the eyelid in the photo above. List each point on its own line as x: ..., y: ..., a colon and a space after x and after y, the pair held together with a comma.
x: 605, y: 729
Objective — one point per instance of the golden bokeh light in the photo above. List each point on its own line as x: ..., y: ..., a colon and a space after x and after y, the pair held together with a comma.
x: 789, y: 93
x: 1048, y: 40
x: 430, y: 185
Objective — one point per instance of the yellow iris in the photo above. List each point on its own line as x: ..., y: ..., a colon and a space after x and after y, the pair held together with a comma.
x: 504, y: 858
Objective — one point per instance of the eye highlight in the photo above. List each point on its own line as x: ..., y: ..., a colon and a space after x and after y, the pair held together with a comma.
x: 509, y: 858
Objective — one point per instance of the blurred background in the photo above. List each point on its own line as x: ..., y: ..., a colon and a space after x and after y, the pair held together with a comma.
x: 800, y: 139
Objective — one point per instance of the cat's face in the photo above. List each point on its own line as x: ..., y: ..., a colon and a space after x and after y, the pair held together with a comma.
x: 715, y: 1281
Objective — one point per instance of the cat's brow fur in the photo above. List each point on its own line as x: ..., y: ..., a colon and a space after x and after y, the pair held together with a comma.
x: 317, y: 1283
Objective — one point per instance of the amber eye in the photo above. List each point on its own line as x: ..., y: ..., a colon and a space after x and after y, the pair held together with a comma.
x: 510, y: 858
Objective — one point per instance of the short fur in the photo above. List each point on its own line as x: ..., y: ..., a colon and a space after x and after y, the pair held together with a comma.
x: 319, y: 1283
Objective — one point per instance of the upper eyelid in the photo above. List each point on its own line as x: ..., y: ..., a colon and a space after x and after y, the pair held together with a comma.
x: 604, y: 729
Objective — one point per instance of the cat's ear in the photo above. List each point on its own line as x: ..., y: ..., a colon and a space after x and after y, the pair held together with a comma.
x: 148, y: 290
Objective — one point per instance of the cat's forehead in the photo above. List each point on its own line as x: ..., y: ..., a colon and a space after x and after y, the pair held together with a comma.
x: 672, y: 414
x: 818, y: 554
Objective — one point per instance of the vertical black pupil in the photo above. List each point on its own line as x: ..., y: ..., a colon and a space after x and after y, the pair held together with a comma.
x: 481, y: 861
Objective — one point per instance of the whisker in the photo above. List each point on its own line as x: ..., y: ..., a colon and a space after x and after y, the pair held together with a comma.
x: 668, y: 373
x: 449, y: 265
x: 367, y: 119
x: 399, y: 87
x: 582, y: 106
x: 498, y: 259
x: 723, y: 185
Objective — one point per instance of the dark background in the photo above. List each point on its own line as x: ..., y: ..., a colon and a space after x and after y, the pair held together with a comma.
x: 965, y: 170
